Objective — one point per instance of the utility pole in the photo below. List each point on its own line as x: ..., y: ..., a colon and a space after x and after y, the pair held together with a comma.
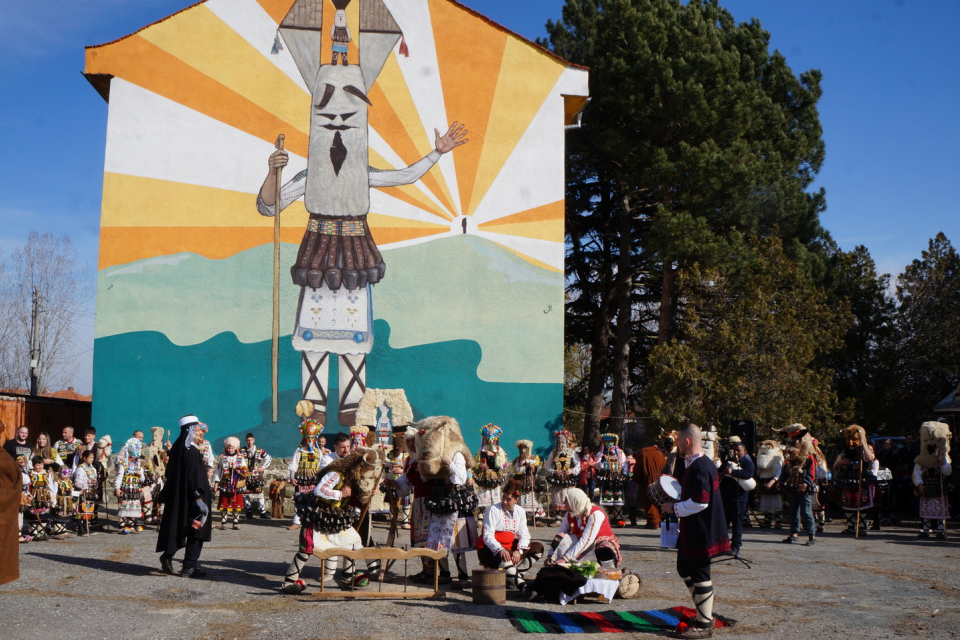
x: 34, y: 346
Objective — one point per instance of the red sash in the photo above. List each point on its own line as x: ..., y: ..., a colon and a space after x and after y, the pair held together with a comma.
x: 507, y: 540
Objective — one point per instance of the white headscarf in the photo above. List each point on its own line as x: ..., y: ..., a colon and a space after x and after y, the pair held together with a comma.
x: 578, y: 502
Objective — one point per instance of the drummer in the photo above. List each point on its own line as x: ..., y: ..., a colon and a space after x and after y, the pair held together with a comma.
x: 505, y: 543
x: 584, y: 531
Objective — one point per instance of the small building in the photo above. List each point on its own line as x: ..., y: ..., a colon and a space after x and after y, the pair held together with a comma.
x: 48, y: 412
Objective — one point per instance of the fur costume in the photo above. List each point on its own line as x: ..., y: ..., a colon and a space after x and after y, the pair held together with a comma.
x: 328, y: 517
x: 931, y: 470
x: 856, y: 471
x: 769, y: 468
x: 442, y: 456
x: 276, y: 497
x: 525, y: 468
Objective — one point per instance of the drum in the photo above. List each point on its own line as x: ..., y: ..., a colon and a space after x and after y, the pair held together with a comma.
x: 664, y: 490
x: 630, y: 585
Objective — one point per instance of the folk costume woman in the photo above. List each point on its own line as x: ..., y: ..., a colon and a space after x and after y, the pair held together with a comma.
x: 128, y: 486
x: 186, y: 498
x: 506, y: 543
x: 230, y: 479
x: 563, y: 468
x: 305, y: 464
x: 525, y: 467
x: 329, y: 513
x: 584, y: 532
x: 491, y: 463
x: 930, y: 472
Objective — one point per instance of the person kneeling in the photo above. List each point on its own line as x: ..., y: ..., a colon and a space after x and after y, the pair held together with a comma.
x: 585, y: 530
x: 505, y: 543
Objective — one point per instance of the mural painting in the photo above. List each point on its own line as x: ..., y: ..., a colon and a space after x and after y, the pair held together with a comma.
x: 415, y: 254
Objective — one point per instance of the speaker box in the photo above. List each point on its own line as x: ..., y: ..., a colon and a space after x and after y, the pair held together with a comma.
x: 747, y: 430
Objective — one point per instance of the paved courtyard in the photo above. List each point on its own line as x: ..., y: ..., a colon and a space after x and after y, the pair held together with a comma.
x: 109, y: 586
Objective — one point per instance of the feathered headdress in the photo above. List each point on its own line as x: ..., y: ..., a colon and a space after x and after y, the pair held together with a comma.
x: 491, y: 433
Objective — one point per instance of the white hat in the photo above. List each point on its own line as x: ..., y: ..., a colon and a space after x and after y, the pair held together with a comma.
x: 188, y: 420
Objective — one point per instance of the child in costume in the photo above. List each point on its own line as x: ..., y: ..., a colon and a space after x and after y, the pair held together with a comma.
x: 525, y: 467
x: 328, y: 515
x: 230, y: 478
x: 66, y: 509
x: 305, y: 464
x: 86, y: 481
x: 930, y: 472
x: 128, y: 485
x: 491, y: 462
x: 43, y: 494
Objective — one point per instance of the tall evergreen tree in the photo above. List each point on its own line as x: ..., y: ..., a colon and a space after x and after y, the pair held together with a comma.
x: 696, y: 129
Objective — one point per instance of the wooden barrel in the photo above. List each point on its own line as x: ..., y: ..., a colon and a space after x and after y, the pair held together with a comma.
x: 489, y: 586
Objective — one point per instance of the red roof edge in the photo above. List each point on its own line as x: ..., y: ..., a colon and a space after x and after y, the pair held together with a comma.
x: 459, y: 4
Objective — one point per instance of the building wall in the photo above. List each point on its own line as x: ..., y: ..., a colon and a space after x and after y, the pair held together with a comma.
x: 469, y: 324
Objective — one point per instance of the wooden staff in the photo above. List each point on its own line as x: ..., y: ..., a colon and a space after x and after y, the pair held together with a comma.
x: 275, y: 354
x: 944, y: 499
x: 856, y: 530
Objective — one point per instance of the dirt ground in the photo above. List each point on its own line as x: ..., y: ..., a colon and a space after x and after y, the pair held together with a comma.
x: 889, y: 585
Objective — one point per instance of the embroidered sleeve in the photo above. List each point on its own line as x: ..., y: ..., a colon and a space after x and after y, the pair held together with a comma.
x: 326, y: 487
x: 522, y: 532
x: 590, y: 530
x: 288, y: 193
x: 492, y: 522
x: 688, y: 508
x: 396, y: 177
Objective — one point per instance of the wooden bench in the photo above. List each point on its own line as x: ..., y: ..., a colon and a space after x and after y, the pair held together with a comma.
x: 383, y: 555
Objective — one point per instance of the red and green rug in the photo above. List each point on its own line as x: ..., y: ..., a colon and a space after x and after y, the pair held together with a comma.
x: 529, y: 621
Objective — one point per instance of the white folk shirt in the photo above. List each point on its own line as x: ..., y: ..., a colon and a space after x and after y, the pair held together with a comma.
x: 591, y: 529
x: 496, y: 519
x: 326, y: 488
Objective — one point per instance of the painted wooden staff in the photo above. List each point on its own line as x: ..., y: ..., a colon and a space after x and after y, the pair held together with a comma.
x: 275, y: 353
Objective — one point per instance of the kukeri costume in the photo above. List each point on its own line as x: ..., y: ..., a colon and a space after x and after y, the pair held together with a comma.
x: 186, y: 499
x: 86, y: 480
x: 230, y: 479
x: 525, y: 467
x: 769, y: 469
x: 258, y: 461
x: 396, y: 465
x: 444, y: 459
x: 43, y: 496
x: 305, y: 464
x: 328, y: 517
x: 611, y: 470
x: 855, y: 471
x: 563, y: 468
x: 931, y: 471
x: 66, y: 507
x: 129, y: 482
x: 491, y: 463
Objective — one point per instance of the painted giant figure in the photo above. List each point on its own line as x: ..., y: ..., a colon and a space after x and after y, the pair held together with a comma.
x: 338, y: 262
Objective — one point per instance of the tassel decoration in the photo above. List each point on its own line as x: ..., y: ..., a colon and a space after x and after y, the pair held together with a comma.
x: 277, y: 44
x: 404, y: 50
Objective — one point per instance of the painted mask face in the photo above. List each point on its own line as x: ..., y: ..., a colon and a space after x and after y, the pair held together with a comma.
x: 337, y: 169
x: 340, y: 19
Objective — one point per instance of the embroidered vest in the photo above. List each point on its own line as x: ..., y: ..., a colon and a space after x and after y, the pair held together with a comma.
x: 577, y: 525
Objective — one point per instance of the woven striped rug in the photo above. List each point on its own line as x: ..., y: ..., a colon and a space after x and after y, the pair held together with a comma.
x: 529, y: 621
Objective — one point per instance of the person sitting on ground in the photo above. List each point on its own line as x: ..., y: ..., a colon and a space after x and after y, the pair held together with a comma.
x: 505, y: 543
x: 585, y: 531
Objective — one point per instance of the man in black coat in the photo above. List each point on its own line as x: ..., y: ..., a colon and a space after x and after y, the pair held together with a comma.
x: 734, y: 495
x: 186, y: 498
x: 703, y: 528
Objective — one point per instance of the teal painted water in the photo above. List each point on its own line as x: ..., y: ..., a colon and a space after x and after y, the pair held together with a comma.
x: 141, y: 379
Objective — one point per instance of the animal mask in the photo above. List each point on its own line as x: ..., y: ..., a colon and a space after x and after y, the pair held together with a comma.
x: 439, y: 436
x: 768, y: 454
x: 934, y: 442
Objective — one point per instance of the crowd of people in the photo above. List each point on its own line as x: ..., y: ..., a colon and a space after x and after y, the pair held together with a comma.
x: 425, y: 480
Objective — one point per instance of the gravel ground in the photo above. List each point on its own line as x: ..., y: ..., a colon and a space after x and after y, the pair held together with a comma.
x: 109, y: 586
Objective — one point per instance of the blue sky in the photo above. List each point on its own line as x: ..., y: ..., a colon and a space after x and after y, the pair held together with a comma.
x: 889, y: 113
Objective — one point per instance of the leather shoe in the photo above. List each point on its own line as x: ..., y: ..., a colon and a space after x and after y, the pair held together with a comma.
x: 193, y: 572
x: 167, y: 565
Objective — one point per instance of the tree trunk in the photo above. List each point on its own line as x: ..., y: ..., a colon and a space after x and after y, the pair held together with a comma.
x: 599, y: 362
x: 621, y: 352
x: 668, y: 303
